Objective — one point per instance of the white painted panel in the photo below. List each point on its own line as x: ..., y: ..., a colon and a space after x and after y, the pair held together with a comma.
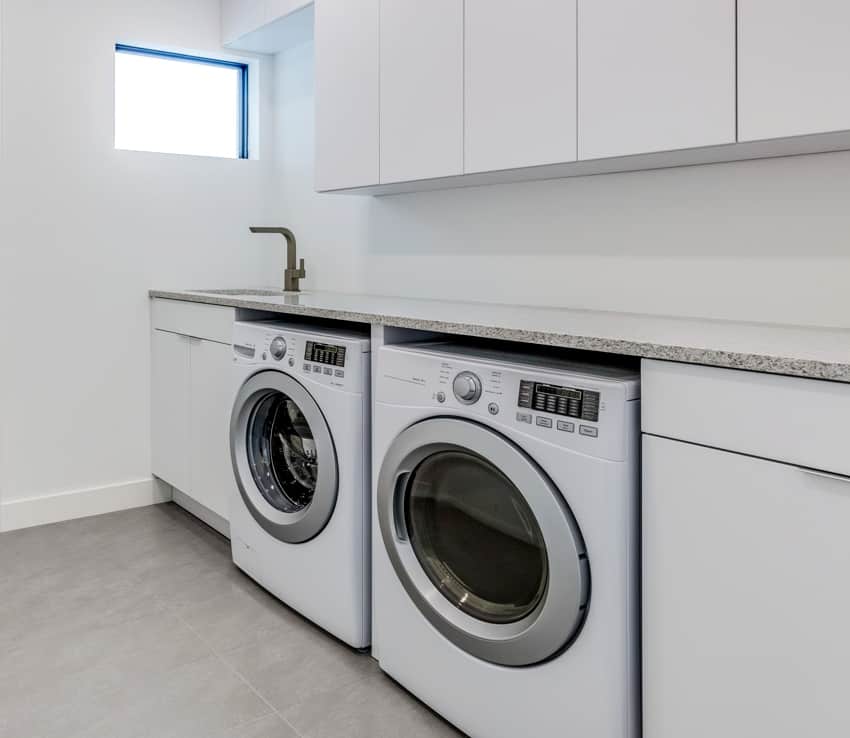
x: 213, y: 322
x: 421, y: 89
x: 793, y: 67
x: 655, y: 75
x: 745, y: 597
x: 211, y: 382
x: 801, y: 421
x: 520, y: 82
x: 170, y: 433
x: 347, y: 106
x: 239, y: 17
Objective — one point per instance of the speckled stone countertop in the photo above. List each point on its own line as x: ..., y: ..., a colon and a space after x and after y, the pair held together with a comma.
x: 822, y: 353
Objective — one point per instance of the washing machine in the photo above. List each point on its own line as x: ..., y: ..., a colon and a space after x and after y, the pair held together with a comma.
x: 505, y: 529
x: 299, y: 440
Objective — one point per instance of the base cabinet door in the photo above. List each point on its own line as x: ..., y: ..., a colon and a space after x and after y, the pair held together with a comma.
x: 170, y: 446
x: 746, y: 596
x: 211, y: 399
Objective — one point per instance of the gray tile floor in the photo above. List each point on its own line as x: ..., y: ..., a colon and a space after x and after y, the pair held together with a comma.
x: 137, y: 624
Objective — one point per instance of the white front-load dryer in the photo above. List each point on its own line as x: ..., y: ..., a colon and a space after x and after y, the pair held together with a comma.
x: 299, y: 440
x: 505, y: 539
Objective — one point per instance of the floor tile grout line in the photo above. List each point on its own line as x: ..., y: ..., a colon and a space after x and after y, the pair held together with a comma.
x: 239, y: 676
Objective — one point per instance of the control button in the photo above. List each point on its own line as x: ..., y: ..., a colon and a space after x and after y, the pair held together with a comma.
x: 291, y: 361
x: 441, y: 397
x: 329, y: 371
x: 544, y: 422
x: 566, y: 426
x: 524, y: 417
x: 339, y: 373
x: 586, y: 430
x: 493, y: 408
x: 307, y: 368
x: 265, y: 356
x: 317, y: 369
x: 278, y: 347
x: 467, y: 388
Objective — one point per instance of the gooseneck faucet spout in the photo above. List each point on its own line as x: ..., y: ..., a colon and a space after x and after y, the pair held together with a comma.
x: 293, y: 274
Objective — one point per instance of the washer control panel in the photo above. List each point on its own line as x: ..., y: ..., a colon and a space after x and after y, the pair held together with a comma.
x: 336, y: 361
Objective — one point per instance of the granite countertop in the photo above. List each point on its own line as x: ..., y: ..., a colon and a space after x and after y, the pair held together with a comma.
x: 822, y: 353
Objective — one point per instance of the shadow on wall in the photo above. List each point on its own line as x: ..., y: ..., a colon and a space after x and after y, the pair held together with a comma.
x: 772, y: 208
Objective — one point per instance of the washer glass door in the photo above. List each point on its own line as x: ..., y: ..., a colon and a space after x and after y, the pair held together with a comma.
x: 283, y: 457
x: 282, y: 453
x: 482, y: 541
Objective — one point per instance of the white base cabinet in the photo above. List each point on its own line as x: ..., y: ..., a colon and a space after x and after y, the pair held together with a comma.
x: 192, y: 396
x: 746, y: 602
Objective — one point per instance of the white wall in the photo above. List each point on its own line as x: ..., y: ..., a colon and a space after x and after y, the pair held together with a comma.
x: 86, y: 230
x: 763, y: 241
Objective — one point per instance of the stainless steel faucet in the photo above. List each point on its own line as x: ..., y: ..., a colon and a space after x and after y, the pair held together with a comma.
x: 293, y: 275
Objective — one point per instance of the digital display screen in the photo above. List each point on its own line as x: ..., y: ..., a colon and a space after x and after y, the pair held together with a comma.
x: 566, y: 401
x: 323, y: 353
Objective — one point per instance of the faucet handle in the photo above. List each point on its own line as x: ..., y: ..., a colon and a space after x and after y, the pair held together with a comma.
x: 302, y: 272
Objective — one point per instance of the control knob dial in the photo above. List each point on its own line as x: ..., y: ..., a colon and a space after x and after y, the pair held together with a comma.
x: 278, y: 348
x: 467, y: 388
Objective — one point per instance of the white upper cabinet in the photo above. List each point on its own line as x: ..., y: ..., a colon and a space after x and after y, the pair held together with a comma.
x: 347, y: 100
x: 656, y: 75
x: 421, y: 78
x: 520, y: 80
x: 793, y: 67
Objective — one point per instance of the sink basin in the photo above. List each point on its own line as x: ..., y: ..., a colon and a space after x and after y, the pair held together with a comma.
x: 248, y: 293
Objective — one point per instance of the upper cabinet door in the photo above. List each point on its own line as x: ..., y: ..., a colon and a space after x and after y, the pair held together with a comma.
x: 347, y: 107
x: 421, y: 89
x: 520, y: 83
x: 655, y: 75
x: 793, y: 66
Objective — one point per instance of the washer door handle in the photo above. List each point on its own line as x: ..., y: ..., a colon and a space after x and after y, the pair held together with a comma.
x: 399, y: 489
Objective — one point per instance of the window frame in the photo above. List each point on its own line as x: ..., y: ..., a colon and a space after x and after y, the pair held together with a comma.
x: 243, y: 92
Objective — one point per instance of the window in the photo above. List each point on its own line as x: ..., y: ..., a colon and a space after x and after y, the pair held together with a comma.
x: 180, y: 104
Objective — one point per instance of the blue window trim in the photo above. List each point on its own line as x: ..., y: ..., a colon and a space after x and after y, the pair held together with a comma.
x: 243, y: 82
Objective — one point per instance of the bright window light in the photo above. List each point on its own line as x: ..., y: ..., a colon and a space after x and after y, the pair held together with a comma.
x: 179, y: 104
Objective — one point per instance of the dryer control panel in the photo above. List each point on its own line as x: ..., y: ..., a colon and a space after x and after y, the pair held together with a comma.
x: 573, y: 405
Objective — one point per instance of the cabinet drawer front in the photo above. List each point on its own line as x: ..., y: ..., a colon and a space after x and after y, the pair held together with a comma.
x: 800, y: 421
x: 745, y: 597
x: 211, y: 322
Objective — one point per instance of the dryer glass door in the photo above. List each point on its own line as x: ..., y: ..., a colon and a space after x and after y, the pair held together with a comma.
x: 476, y: 537
x: 482, y: 541
x: 283, y: 457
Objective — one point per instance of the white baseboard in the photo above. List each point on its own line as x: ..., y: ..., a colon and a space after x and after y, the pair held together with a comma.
x: 82, y: 503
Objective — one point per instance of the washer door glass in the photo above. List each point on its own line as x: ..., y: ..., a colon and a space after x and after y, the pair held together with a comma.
x: 476, y: 537
x: 284, y: 458
x: 282, y: 453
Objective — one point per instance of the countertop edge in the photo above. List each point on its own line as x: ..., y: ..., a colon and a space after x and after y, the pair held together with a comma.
x: 766, y: 363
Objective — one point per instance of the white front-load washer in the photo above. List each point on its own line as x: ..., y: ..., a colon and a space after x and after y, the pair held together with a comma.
x: 505, y: 541
x: 299, y: 441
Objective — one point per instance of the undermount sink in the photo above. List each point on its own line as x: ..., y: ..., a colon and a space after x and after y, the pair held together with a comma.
x: 249, y: 293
